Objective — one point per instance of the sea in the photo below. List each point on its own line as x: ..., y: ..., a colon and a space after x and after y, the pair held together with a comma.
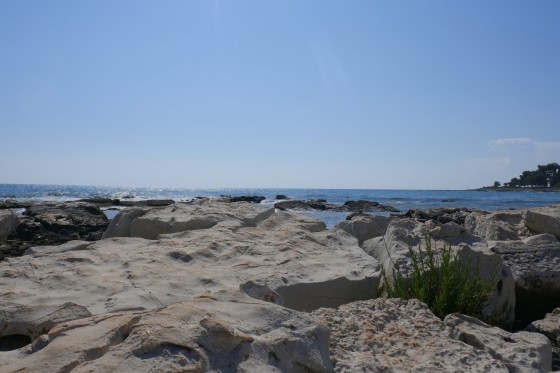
x: 403, y: 200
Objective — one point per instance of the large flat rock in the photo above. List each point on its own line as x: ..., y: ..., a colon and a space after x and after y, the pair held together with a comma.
x: 285, y: 259
x: 225, y: 332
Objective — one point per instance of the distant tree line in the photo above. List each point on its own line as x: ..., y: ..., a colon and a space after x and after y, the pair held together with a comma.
x: 545, y: 176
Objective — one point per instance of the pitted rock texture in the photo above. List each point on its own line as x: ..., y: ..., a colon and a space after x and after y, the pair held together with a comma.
x: 394, y: 335
x: 498, y: 226
x: 550, y: 326
x: 285, y: 259
x: 520, y: 352
x: 226, y: 332
x: 535, y: 265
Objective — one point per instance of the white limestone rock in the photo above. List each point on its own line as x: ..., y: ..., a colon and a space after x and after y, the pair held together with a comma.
x: 535, y: 266
x: 549, y: 326
x: 199, y: 214
x: 393, y: 250
x: 33, y: 321
x: 68, y: 246
x: 543, y: 220
x: 226, y: 332
x: 365, y: 227
x: 499, y: 225
x: 286, y: 259
x: 394, y: 335
x: 520, y: 352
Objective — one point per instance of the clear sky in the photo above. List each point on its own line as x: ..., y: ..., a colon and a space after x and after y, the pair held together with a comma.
x: 315, y: 93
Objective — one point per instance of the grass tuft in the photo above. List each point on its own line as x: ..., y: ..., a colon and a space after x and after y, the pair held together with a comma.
x: 441, y: 280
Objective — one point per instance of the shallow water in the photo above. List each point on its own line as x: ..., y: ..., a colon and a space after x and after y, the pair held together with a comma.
x: 400, y: 199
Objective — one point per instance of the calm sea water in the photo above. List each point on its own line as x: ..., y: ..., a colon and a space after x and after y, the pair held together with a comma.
x: 400, y: 199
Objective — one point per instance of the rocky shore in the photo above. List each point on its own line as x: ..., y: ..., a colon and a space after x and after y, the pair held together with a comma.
x: 229, y: 285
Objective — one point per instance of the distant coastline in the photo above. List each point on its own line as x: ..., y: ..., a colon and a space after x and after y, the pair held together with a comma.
x: 508, y: 189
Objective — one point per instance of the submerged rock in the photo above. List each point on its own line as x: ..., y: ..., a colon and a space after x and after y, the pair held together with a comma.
x: 323, y: 205
x: 442, y: 215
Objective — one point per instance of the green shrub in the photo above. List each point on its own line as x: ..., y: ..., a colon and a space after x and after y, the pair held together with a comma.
x: 443, y: 282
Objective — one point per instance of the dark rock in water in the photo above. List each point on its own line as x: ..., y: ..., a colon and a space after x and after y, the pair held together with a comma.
x: 362, y: 205
x: 12, y: 204
x: 442, y: 215
x: 252, y: 199
x: 323, y: 205
x: 105, y: 202
x: 148, y: 202
x: 100, y: 201
x: 281, y: 196
x: 320, y: 205
x: 54, y: 224
x: 448, y: 200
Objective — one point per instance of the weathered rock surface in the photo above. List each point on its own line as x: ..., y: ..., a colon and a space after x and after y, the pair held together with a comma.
x: 199, y: 214
x: 224, y: 332
x: 549, y: 326
x: 55, y: 223
x: 394, y: 335
x: 520, y: 352
x: 34, y: 321
x: 535, y: 265
x: 364, y: 227
x: 286, y: 259
x: 392, y: 250
x: 543, y: 220
x: 514, y: 225
x: 323, y: 205
x: 497, y: 226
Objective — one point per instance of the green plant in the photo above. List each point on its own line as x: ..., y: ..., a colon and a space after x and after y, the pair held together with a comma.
x: 441, y: 280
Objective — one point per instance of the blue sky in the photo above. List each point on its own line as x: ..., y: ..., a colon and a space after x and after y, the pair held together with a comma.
x: 316, y: 94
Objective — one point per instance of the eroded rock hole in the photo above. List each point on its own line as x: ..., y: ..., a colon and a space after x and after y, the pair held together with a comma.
x: 13, y: 342
x: 178, y: 255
